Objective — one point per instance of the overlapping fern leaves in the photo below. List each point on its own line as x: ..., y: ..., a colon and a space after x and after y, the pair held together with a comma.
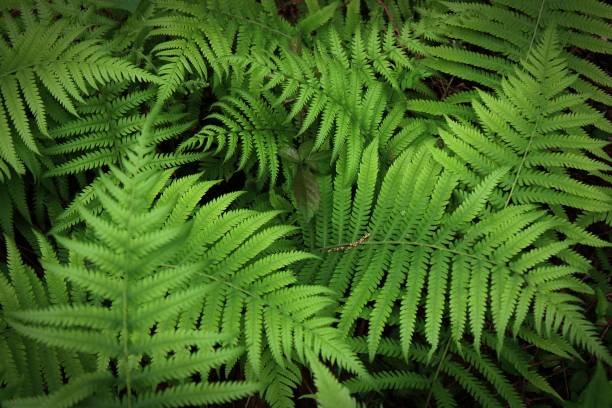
x: 476, y: 372
x: 194, y: 46
x: 535, y: 126
x: 44, y: 60
x: 107, y: 126
x: 248, y: 124
x: 501, y: 32
x: 28, y: 367
x: 117, y: 325
x: 201, y: 37
x: 167, y: 281
x: 446, y: 246
x: 334, y: 88
x: 417, y: 236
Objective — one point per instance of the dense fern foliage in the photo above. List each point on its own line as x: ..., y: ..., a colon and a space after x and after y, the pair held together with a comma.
x: 305, y: 203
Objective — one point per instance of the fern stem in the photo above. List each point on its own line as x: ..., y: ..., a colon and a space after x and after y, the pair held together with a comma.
x: 390, y: 17
x: 223, y: 282
x: 349, y: 246
x: 126, y: 350
x: 239, y: 289
x: 518, y: 171
x: 521, y: 164
x: 148, y: 123
x: 142, y: 150
x: 435, y: 376
x: 535, y: 30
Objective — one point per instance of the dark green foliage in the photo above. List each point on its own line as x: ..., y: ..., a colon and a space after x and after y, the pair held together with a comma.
x: 342, y: 204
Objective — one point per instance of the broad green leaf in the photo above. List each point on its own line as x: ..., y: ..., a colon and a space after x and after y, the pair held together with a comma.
x: 306, y: 191
x: 318, y: 18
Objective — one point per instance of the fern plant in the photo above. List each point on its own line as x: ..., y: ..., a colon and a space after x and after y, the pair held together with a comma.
x: 417, y: 235
x: 350, y: 115
x: 437, y: 378
x: 250, y: 124
x: 116, y: 326
x: 534, y: 126
x: 501, y: 33
x: 181, y: 258
x: 107, y: 126
x: 41, y: 60
x: 28, y: 367
x: 340, y: 204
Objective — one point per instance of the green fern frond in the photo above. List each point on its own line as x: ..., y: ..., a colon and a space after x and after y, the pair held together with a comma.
x: 279, y: 383
x: 527, y: 126
x: 167, y: 242
x: 195, y: 40
x: 389, y: 380
x: 462, y: 367
x: 419, y: 237
x: 107, y: 126
x: 348, y: 116
x: 73, y: 326
x: 50, y: 59
x: 30, y: 368
x: 505, y: 31
x: 251, y: 124
x: 330, y: 393
x: 426, y: 196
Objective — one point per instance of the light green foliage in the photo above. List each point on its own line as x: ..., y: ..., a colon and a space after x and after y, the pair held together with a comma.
x: 415, y: 239
x: 254, y: 124
x: 330, y: 393
x: 357, y: 203
x: 339, y: 87
x: 535, y: 126
x: 153, y: 262
x: 44, y: 59
x: 505, y: 31
x: 107, y: 126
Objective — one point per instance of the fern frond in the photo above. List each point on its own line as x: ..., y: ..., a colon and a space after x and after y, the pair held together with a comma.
x: 251, y: 123
x: 29, y: 368
x: 279, y: 382
x: 200, y: 37
x: 389, y: 380
x: 526, y: 127
x: 330, y: 393
x: 107, y: 127
x: 419, y: 237
x: 348, y: 116
x: 457, y: 366
x: 74, y: 326
x: 150, y: 233
x: 51, y: 58
x: 505, y: 31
